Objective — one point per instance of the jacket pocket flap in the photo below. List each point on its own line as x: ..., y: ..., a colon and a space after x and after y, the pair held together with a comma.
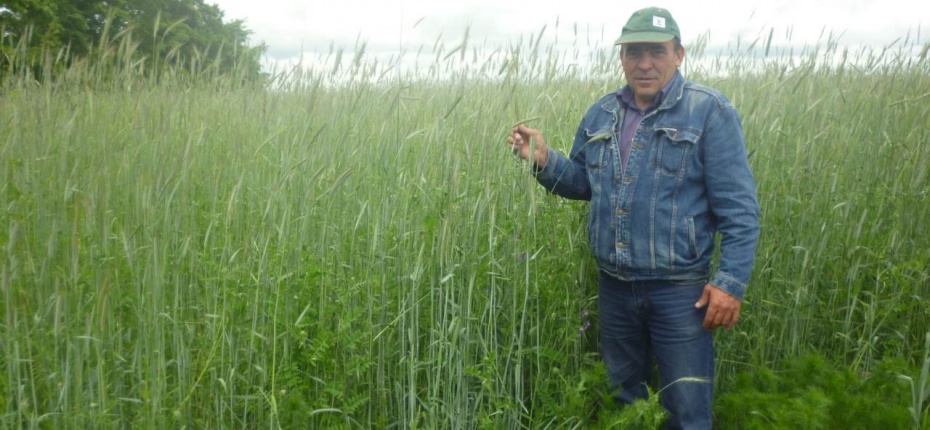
x: 594, y: 136
x: 680, y: 135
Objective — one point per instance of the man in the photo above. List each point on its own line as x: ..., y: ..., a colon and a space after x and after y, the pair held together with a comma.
x: 664, y: 165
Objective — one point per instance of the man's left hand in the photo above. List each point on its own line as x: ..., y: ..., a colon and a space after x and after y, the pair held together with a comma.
x: 722, y: 308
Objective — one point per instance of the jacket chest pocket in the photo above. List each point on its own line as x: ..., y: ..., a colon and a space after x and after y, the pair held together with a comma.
x: 674, y: 148
x: 597, y: 153
x: 596, y: 148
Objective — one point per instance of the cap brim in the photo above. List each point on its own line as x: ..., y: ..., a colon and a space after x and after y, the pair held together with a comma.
x: 644, y: 37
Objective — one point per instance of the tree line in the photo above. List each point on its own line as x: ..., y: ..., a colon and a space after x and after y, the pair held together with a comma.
x: 164, y: 33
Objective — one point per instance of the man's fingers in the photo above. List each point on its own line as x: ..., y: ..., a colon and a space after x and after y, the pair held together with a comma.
x: 709, y: 318
x: 722, y: 308
x: 717, y: 317
x: 526, y: 133
x: 705, y: 297
x: 732, y: 322
x: 726, y: 321
x: 729, y: 321
x: 515, y: 141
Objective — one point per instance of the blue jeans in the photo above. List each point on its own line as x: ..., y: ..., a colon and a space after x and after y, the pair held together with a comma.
x: 642, y: 320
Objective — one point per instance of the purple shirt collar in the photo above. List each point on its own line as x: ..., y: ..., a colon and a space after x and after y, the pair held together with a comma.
x: 634, y: 115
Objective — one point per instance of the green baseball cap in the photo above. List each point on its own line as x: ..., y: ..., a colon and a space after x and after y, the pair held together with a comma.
x: 652, y: 24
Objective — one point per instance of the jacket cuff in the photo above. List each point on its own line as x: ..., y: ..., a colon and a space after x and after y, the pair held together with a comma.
x: 729, y: 284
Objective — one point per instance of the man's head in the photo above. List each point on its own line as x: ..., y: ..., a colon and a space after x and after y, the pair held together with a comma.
x: 650, y: 52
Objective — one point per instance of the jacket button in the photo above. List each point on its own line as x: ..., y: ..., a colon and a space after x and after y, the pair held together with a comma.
x: 621, y: 245
x: 621, y: 212
x: 628, y: 179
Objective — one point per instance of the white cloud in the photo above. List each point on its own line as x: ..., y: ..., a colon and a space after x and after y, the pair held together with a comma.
x: 290, y: 27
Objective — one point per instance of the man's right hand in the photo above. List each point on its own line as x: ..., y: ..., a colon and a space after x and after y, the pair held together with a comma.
x: 520, y: 141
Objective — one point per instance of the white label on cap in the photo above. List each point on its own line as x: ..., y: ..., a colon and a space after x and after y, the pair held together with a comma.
x: 658, y: 21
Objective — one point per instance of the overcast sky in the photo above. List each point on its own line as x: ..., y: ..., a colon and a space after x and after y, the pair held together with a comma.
x: 290, y: 27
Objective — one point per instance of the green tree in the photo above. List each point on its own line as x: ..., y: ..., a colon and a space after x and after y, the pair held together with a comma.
x: 55, y: 24
x: 178, y: 32
x: 189, y: 34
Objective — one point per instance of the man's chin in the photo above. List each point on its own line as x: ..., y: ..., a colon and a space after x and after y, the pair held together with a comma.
x: 647, y: 93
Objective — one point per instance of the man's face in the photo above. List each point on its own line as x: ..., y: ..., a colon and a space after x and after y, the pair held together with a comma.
x: 648, y: 67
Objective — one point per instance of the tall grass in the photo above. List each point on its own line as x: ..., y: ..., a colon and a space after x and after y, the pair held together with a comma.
x: 356, y: 248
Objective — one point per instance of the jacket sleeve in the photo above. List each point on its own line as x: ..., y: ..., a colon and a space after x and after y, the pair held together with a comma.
x: 567, y: 177
x: 731, y: 192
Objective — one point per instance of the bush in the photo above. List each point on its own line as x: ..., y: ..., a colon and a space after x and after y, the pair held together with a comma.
x: 811, y: 394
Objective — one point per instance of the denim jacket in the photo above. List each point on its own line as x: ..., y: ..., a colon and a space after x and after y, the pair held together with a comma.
x: 687, y: 178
